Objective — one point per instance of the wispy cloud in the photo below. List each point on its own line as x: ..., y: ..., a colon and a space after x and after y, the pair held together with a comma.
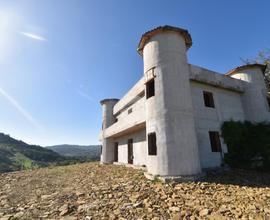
x: 33, y: 36
x: 85, y: 95
x: 20, y: 109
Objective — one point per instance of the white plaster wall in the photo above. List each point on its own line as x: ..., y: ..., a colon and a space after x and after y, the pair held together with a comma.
x: 254, y: 99
x: 137, y: 108
x: 129, y: 96
x: 128, y: 121
x: 169, y: 112
x: 228, y: 106
x: 140, y: 150
x: 107, y: 155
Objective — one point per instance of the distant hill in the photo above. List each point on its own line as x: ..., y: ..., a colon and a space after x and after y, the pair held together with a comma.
x: 18, y: 155
x: 91, y: 151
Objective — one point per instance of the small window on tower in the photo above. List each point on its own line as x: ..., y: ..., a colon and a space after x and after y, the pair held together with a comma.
x: 130, y: 111
x: 268, y: 101
x: 152, y: 145
x: 150, y: 88
x: 215, y: 141
x: 208, y: 99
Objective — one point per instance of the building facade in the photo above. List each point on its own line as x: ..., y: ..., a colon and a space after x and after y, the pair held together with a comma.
x: 170, y: 120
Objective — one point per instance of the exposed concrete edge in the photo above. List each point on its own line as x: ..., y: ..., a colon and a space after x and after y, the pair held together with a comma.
x: 168, y: 179
x: 161, y: 29
x: 108, y: 100
x: 136, y: 167
x: 263, y: 67
x: 217, y: 85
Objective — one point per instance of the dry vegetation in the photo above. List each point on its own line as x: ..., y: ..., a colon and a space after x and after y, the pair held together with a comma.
x: 93, y: 191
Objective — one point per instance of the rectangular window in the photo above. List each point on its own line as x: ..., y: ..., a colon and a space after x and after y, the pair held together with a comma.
x: 130, y: 111
x: 268, y: 101
x: 215, y: 141
x: 150, y: 88
x: 152, y: 145
x: 208, y: 99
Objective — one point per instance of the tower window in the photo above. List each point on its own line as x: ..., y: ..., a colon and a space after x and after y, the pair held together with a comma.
x: 152, y: 145
x: 215, y: 141
x: 208, y: 99
x: 130, y: 111
x: 150, y: 88
x: 268, y: 101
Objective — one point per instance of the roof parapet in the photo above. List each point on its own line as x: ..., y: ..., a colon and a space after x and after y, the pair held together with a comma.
x: 147, y: 35
x: 239, y: 68
x: 108, y: 100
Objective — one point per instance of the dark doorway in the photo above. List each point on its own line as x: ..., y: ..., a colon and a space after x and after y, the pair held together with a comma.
x: 116, y: 152
x: 130, y: 151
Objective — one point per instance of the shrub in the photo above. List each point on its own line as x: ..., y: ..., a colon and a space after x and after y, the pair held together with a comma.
x: 248, y: 144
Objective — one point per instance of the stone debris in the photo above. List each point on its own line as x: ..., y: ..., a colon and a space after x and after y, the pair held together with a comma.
x: 94, y: 191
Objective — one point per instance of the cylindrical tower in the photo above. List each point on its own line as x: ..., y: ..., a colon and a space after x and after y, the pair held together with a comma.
x: 169, y: 112
x: 254, y: 99
x: 108, y: 119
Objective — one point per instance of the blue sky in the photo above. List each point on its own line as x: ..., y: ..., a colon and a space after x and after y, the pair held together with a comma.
x: 58, y: 59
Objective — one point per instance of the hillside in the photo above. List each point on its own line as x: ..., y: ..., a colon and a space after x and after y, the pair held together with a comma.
x: 91, y: 151
x: 17, y: 155
x: 94, y: 191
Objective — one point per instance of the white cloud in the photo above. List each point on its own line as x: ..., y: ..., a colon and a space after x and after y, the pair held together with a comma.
x: 33, y: 36
x: 86, y: 96
x: 20, y: 109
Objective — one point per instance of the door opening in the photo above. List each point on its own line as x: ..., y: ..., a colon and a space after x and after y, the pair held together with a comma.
x: 116, y: 152
x: 130, y: 151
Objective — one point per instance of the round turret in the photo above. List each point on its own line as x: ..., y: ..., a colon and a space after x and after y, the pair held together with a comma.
x: 169, y: 112
x: 107, y: 112
x: 254, y: 98
x: 107, y: 155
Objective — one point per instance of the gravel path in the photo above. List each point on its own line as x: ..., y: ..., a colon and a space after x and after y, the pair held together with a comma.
x: 93, y: 191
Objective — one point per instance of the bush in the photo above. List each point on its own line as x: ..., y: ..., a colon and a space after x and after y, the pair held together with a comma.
x: 248, y: 144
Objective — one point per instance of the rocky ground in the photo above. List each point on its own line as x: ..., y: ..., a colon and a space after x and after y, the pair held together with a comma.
x: 93, y: 191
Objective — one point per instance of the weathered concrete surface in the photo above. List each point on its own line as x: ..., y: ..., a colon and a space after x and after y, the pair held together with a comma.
x: 177, y: 113
x: 211, y: 78
x: 131, y: 97
x: 108, y: 119
x: 169, y: 114
x: 254, y: 99
x: 140, y: 151
x: 228, y: 106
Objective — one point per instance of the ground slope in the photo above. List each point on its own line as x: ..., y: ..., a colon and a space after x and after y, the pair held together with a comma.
x: 91, y: 151
x: 94, y: 191
x: 17, y: 155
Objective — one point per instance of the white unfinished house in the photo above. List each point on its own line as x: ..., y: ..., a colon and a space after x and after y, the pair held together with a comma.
x: 170, y: 120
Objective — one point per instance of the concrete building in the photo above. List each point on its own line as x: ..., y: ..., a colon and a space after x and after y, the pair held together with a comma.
x: 170, y: 120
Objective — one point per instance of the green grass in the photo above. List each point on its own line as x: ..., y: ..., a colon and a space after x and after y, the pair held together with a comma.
x: 24, y: 163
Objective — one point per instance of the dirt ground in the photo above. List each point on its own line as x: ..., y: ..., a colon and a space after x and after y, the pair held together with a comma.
x: 93, y: 191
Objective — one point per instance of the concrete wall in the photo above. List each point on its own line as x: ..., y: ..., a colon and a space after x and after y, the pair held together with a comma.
x: 127, y: 120
x: 107, y: 155
x: 254, y: 99
x: 177, y: 113
x: 169, y: 112
x: 232, y: 101
x: 228, y: 106
x: 130, y: 97
x: 140, y: 150
x: 137, y: 108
